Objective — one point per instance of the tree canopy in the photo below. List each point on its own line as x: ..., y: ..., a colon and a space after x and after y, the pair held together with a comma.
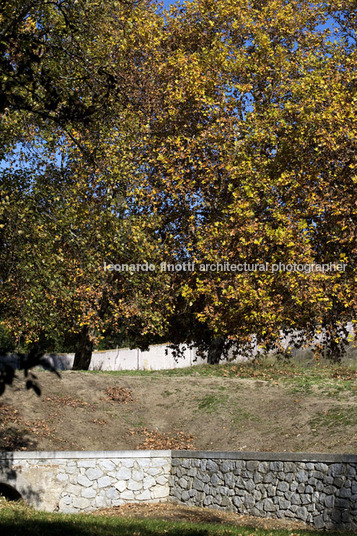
x: 221, y: 133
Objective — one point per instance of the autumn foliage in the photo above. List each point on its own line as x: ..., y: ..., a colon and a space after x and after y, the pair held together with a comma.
x: 222, y: 131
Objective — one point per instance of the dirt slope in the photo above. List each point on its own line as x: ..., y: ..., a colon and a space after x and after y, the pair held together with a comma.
x: 86, y: 411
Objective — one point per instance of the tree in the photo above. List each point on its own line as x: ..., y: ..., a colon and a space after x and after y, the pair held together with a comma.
x: 67, y: 208
x: 190, y: 138
x: 253, y: 162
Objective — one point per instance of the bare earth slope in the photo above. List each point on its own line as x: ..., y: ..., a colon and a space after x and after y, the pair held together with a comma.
x: 103, y: 411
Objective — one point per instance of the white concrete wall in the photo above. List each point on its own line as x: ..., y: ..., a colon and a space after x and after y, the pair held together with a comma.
x: 158, y: 357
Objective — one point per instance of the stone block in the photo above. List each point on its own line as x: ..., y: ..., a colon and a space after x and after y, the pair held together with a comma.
x: 111, y: 493
x: 345, y: 493
x: 283, y: 486
x: 215, y: 480
x: 268, y: 478
x: 323, y: 467
x: 263, y: 467
x: 134, y: 485
x: 336, y: 469
x: 226, y: 502
x: 104, y: 482
x: 271, y: 491
x: 106, y: 465
x: 182, y: 483
x: 143, y: 463
x: 158, y: 492
x: 64, y: 501
x: 252, y: 465
x: 70, y: 469
x: 192, y: 471
x: 284, y: 504
x: 197, y: 484
x: 257, y: 495
x: 185, y: 496
x: 258, y: 477
x: 88, y: 493
x: 289, y: 467
x: 124, y: 473
x: 268, y: 505
x: 153, y: 471
x: 127, y: 495
x: 249, y: 485
x: 212, y: 467
x: 302, y: 476
x: 237, y: 501
x: 338, y: 481
x: 94, y: 474
x: 100, y: 502
x: 305, y: 499
x: 143, y: 496
x: 137, y: 475
x: 148, y: 482
x: 226, y: 466
x: 80, y: 502
x: 295, y: 499
x: 329, y: 501
x: 121, y: 485
x: 249, y: 501
x: 84, y: 481
x: 276, y: 466
x: 229, y: 479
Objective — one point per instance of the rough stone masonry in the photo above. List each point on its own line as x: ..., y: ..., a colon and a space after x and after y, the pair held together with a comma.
x: 74, y: 482
x: 318, y: 489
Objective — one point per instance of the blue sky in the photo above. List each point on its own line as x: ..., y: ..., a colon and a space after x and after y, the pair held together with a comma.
x: 167, y: 3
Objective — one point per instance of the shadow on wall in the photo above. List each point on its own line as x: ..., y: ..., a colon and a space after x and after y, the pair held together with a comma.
x: 340, y: 514
x: 60, y: 361
x: 13, y: 485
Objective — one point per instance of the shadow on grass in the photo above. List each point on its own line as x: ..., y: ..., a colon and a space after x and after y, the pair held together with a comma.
x: 27, y: 522
x: 12, y: 523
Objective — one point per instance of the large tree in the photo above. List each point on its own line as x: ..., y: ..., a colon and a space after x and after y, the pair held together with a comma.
x: 222, y: 133
x: 68, y: 176
x: 253, y: 161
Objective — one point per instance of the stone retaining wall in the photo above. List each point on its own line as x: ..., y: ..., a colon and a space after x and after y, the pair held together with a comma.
x: 320, y: 490
x: 84, y: 481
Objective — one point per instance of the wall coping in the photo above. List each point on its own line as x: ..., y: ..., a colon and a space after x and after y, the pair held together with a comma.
x: 267, y: 456
x: 80, y: 454
x: 234, y: 455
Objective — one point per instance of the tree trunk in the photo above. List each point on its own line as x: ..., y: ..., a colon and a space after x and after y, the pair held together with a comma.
x: 83, y: 355
x: 215, y: 351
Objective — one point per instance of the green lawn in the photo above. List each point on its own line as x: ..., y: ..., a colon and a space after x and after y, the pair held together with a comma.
x: 23, y: 521
x: 302, y: 377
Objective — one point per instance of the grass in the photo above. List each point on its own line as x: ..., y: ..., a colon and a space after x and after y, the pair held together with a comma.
x: 16, y: 520
x: 210, y: 403
x: 301, y: 377
x: 240, y: 416
x: 335, y: 417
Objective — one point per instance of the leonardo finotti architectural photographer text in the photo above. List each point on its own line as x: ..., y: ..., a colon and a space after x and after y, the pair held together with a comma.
x: 226, y: 267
